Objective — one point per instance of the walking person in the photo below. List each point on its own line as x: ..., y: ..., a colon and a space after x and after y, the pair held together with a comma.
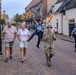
x: 9, y: 35
x: 55, y: 30
x: 73, y: 34
x: 49, y: 38
x: 38, y: 32
x: 23, y: 36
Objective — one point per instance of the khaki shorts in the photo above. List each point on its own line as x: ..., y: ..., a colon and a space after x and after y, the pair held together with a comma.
x: 23, y: 44
x: 9, y: 44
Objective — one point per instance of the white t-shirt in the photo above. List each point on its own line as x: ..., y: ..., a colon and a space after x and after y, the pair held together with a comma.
x: 23, y: 34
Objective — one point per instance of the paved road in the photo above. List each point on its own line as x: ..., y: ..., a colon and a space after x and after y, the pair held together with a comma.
x: 63, y: 62
x: 14, y: 66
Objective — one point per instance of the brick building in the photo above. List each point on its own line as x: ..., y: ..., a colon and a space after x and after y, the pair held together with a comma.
x: 40, y: 7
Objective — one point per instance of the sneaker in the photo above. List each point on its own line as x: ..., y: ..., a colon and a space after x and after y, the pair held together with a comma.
x: 10, y: 57
x: 22, y: 61
x: 6, y: 59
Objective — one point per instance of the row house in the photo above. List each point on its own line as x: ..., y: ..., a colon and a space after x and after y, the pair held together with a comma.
x: 40, y: 7
x: 69, y: 18
x: 64, y: 16
x: 57, y: 20
x: 35, y: 7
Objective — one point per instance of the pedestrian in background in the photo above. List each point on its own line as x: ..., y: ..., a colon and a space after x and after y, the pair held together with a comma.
x: 49, y: 38
x: 55, y: 30
x: 38, y: 32
x: 23, y: 36
x: 9, y: 35
x: 73, y: 34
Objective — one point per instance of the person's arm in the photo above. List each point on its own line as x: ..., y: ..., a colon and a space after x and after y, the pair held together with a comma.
x: 54, y: 36
x: 44, y: 36
x: 28, y: 34
x: 3, y: 34
x: 71, y: 34
x: 18, y: 38
x: 35, y: 21
x: 18, y: 35
x: 15, y: 33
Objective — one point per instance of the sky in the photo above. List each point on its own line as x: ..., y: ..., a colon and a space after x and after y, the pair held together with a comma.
x: 14, y: 6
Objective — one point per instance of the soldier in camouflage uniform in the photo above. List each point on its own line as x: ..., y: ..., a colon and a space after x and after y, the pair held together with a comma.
x: 49, y: 38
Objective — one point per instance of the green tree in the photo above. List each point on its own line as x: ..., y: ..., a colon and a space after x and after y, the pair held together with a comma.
x: 2, y: 21
x: 18, y: 18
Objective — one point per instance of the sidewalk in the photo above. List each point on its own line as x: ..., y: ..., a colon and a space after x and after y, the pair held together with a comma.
x: 65, y: 38
x: 14, y: 66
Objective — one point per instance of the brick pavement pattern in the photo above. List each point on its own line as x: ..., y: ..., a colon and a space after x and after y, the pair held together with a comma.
x: 14, y: 66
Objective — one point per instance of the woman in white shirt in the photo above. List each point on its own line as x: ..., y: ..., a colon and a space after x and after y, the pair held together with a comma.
x: 23, y: 36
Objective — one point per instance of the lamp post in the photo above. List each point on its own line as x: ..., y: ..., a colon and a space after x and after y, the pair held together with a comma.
x: 0, y: 31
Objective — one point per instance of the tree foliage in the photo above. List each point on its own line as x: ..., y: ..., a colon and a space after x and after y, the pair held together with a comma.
x: 2, y: 21
x: 18, y: 18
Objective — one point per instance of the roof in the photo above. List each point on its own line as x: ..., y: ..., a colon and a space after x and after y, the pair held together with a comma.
x: 71, y: 5
x: 67, y: 5
x: 59, y: 1
x: 60, y: 8
x: 33, y: 3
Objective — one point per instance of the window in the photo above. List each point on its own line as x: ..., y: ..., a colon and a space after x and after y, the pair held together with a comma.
x: 71, y: 20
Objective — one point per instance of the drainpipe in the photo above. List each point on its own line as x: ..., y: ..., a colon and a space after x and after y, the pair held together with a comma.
x: 62, y: 23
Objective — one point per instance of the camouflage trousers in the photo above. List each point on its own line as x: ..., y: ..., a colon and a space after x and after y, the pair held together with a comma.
x: 49, y: 50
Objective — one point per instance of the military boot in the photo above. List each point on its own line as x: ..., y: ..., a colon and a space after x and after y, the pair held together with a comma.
x: 48, y: 60
x: 49, y: 63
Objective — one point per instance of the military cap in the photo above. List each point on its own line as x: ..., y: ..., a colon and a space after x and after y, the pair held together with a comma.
x: 49, y: 26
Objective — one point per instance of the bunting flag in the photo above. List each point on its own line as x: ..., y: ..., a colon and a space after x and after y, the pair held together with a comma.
x: 3, y: 16
x: 29, y: 14
x: 22, y: 17
x: 51, y: 17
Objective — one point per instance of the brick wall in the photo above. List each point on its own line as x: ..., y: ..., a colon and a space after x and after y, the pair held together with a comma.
x: 44, y: 8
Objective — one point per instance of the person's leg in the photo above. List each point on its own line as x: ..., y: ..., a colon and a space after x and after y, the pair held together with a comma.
x: 22, y: 54
x: 41, y: 35
x: 11, y: 47
x: 25, y: 47
x: 47, y: 57
x: 6, y: 51
x: 32, y: 36
x: 22, y: 50
x: 39, y: 38
x: 10, y: 52
x: 75, y: 44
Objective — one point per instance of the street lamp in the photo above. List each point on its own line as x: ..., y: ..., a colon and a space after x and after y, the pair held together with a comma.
x: 0, y: 31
